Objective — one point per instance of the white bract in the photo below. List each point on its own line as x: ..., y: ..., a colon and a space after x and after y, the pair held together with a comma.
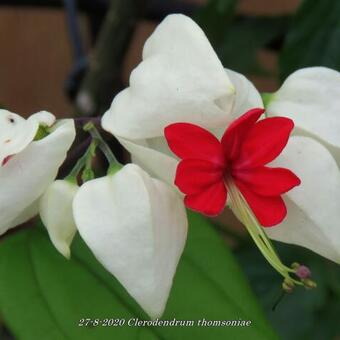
x: 181, y: 80
x: 27, y: 166
x: 313, y: 207
x: 136, y: 226
x: 57, y: 215
x: 17, y: 132
x: 311, y: 97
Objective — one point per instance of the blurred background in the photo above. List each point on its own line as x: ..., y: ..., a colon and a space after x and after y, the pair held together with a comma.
x: 71, y: 57
x: 41, y: 60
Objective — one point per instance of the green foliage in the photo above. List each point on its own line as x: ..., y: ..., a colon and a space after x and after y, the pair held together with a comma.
x: 43, y: 296
x: 215, y: 17
x: 303, y: 314
x: 314, y: 37
x: 239, y: 48
x: 237, y: 40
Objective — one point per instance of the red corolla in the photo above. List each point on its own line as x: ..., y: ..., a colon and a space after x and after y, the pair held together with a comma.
x: 209, y: 166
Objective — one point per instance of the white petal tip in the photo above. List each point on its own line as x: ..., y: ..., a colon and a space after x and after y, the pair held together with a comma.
x: 64, y: 250
x: 44, y: 118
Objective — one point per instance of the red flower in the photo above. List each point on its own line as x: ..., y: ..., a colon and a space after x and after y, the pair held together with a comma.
x: 208, y: 165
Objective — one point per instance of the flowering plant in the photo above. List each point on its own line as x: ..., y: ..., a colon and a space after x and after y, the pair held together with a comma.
x: 201, y: 137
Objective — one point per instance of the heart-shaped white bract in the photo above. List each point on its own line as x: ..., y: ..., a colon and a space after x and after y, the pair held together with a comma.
x: 180, y: 79
x: 136, y: 226
x: 25, y: 177
x: 57, y: 215
x: 311, y: 97
x: 313, y: 207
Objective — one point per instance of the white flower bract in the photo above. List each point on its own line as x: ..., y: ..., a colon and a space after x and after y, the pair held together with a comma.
x: 34, y: 165
x: 181, y: 80
x: 57, y: 215
x: 136, y: 226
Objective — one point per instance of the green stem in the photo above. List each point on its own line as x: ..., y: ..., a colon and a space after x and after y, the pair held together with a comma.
x: 267, y: 98
x: 83, y: 162
x: 90, y: 127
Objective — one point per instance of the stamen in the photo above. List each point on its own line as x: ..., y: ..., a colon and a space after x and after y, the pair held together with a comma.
x: 301, y: 271
x: 244, y: 213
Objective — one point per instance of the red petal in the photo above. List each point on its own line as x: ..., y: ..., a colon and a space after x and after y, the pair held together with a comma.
x: 210, y: 202
x: 267, y: 181
x: 195, y: 175
x: 264, y: 142
x: 236, y: 132
x: 191, y: 141
x: 268, y: 210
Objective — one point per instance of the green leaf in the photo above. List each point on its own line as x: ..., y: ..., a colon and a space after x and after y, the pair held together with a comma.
x: 214, y: 18
x: 43, y: 296
x: 326, y: 323
x: 242, y: 41
x: 316, y: 310
x: 314, y: 37
x: 238, y: 39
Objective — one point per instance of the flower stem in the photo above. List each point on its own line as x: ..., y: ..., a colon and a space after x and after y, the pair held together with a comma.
x: 83, y: 162
x: 267, y: 98
x: 90, y: 127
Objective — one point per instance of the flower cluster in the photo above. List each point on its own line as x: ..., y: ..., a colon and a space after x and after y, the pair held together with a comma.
x: 200, y: 136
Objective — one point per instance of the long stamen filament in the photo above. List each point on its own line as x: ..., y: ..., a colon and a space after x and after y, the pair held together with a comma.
x: 246, y: 216
x: 264, y: 237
